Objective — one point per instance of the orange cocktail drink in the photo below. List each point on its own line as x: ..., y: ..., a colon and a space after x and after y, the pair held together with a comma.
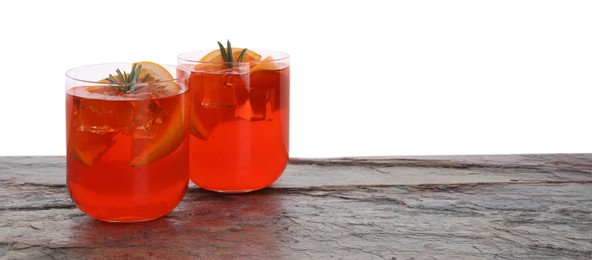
x: 239, y: 115
x: 127, y: 140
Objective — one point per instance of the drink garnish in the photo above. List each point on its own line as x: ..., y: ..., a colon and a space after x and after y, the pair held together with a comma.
x: 221, y: 55
x: 266, y: 64
x: 228, y: 55
x: 145, y: 77
x: 127, y: 83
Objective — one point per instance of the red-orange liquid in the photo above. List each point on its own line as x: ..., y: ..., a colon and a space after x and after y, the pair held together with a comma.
x: 126, y: 159
x: 240, y: 127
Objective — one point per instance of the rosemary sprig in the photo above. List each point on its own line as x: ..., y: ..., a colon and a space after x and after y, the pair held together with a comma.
x: 228, y: 55
x: 127, y: 83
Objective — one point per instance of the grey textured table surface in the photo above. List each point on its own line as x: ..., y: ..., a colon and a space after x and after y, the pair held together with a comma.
x: 441, y: 207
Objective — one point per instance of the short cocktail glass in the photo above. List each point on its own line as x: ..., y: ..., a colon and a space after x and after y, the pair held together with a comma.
x: 127, y: 151
x: 239, y: 116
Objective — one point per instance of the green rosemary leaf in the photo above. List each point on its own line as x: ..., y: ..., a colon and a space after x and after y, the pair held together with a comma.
x: 130, y: 79
x: 229, y: 50
x: 111, y: 79
x: 223, y: 51
x: 127, y: 83
x: 121, y: 78
x: 241, y: 56
x: 114, y: 81
x: 135, y: 73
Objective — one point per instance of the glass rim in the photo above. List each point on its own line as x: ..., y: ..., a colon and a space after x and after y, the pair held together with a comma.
x: 283, y: 56
x: 175, y: 78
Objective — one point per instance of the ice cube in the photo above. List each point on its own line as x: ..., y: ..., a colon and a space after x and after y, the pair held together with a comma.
x: 101, y: 130
x: 147, y: 118
x: 259, y: 106
x: 223, y: 90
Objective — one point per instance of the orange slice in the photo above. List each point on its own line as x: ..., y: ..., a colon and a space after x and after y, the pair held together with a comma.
x: 158, y: 73
x: 199, y: 128
x: 91, y: 130
x: 87, y: 151
x: 170, y: 138
x: 173, y: 134
x: 266, y: 64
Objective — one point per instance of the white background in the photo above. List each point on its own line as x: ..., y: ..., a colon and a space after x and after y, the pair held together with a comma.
x: 368, y: 77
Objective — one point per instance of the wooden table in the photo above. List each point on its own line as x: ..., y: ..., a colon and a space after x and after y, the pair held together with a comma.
x: 444, y: 207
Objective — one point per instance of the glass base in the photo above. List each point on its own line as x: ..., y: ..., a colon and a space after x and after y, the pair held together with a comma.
x: 125, y: 220
x: 231, y: 191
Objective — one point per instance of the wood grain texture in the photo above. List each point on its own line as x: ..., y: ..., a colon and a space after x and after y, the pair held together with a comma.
x: 437, y: 207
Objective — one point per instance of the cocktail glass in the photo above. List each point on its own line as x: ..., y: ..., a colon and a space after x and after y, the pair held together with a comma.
x: 127, y: 151
x: 239, y: 115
